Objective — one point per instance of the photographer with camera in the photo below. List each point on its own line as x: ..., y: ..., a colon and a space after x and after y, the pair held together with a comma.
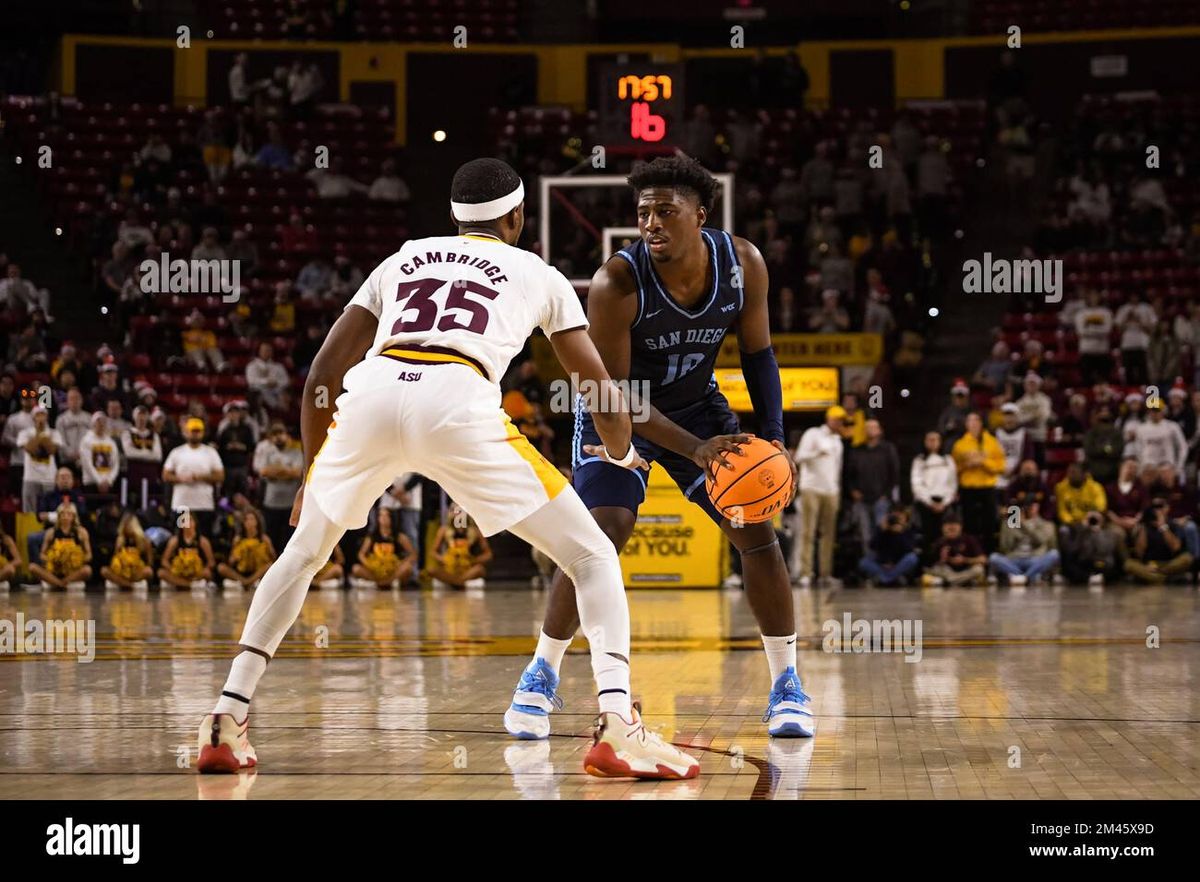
x: 959, y: 558
x: 1080, y: 502
x: 1158, y: 551
x: 1181, y: 505
x: 1094, y: 552
x: 893, y: 554
x: 1077, y: 495
x: 1028, y: 548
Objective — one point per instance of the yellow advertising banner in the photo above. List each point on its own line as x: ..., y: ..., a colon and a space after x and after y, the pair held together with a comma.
x: 799, y: 350
x: 803, y: 388
x: 674, y: 544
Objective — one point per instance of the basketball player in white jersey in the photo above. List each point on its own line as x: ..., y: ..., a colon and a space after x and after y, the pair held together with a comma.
x: 419, y: 351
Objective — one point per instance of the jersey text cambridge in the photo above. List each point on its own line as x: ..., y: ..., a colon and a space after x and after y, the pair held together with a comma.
x: 472, y: 294
x: 452, y: 312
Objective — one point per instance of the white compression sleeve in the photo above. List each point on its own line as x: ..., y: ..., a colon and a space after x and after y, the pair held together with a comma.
x: 566, y: 531
x: 280, y: 594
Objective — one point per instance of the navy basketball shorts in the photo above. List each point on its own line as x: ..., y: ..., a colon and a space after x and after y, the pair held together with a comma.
x: 600, y: 484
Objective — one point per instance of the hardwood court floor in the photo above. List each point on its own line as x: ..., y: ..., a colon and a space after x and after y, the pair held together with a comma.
x: 1045, y: 693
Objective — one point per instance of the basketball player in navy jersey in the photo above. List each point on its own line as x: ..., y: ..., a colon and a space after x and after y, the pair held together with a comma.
x: 658, y: 312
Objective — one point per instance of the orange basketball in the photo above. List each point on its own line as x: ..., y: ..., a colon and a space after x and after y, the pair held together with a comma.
x: 757, y: 487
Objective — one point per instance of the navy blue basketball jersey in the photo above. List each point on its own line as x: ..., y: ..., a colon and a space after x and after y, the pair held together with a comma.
x: 673, y: 348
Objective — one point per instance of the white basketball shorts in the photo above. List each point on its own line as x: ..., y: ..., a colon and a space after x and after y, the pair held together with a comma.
x: 441, y: 418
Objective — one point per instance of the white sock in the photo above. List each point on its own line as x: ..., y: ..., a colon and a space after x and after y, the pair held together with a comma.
x: 612, y: 682
x: 617, y: 703
x: 551, y: 650
x: 244, y: 674
x: 613, y: 690
x: 781, y: 654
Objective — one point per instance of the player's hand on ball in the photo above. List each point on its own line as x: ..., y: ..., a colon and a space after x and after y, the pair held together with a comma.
x: 712, y: 454
x: 792, y: 463
x: 294, y: 517
x: 600, y: 451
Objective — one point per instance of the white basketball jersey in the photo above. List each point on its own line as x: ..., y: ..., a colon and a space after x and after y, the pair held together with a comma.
x: 472, y: 294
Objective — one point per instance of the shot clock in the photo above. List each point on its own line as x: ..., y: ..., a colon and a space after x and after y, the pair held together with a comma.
x: 642, y: 103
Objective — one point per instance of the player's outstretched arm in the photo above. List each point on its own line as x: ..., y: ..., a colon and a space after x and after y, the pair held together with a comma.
x: 599, y: 355
x: 578, y: 356
x: 345, y: 345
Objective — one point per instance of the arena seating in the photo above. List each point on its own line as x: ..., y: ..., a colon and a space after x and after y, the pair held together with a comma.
x: 402, y: 20
x: 93, y: 141
x: 995, y: 16
x: 1167, y: 277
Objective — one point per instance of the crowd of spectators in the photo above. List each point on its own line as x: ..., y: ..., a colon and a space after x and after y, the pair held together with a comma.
x: 1039, y: 465
x: 121, y: 491
x: 1072, y: 452
x: 997, y: 495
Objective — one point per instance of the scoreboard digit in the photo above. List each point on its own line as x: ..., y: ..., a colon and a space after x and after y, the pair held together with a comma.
x: 641, y: 104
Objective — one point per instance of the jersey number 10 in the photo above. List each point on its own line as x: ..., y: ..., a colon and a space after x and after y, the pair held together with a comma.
x: 678, y: 365
x: 420, y: 297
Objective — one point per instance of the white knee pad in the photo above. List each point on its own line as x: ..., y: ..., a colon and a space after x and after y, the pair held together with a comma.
x: 566, y: 530
x: 297, y: 558
x: 592, y: 554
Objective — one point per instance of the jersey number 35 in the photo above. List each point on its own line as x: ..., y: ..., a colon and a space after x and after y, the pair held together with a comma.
x: 419, y: 296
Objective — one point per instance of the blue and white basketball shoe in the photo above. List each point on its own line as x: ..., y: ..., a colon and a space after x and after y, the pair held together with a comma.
x: 788, y: 712
x: 528, y: 717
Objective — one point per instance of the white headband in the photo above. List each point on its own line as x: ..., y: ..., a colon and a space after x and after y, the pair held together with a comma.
x: 486, y: 211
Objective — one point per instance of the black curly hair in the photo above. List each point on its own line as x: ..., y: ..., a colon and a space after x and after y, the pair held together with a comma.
x: 681, y: 172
